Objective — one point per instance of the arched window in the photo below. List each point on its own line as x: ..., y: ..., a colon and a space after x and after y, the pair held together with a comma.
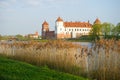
x: 60, y: 29
x: 75, y: 29
x: 65, y: 29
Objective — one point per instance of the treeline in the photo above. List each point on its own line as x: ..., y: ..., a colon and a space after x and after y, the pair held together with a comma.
x: 17, y: 37
x: 105, y: 30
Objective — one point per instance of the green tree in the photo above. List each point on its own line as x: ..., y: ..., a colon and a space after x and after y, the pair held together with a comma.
x: 19, y: 37
x: 116, y: 31
x: 96, y: 31
x: 4, y: 37
x: 0, y: 37
x: 107, y: 29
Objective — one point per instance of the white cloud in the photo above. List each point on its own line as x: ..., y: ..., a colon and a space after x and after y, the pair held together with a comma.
x: 13, y: 1
x: 41, y: 2
x: 33, y: 2
x: 3, y: 4
x: 6, y: 3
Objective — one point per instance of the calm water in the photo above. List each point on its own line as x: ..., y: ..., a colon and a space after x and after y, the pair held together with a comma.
x: 87, y: 44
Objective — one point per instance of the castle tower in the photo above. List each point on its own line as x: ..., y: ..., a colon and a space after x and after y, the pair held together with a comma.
x: 97, y: 21
x: 59, y: 28
x: 45, y: 28
x: 36, y: 33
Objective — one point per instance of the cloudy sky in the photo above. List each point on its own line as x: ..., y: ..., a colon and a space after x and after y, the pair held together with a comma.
x: 26, y: 16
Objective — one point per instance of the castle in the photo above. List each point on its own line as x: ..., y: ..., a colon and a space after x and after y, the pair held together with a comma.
x: 67, y: 29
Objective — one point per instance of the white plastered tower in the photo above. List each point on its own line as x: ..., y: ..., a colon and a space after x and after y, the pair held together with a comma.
x: 59, y: 28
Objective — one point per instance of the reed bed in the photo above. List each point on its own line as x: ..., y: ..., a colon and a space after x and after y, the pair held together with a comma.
x: 100, y: 62
x: 104, y: 61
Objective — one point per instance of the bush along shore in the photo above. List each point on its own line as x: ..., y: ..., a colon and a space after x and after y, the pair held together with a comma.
x: 100, y: 62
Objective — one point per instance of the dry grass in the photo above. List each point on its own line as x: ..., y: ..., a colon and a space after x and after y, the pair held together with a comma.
x: 101, y: 62
x: 104, y: 61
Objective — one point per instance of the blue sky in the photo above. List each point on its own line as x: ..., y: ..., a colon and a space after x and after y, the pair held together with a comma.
x: 26, y: 16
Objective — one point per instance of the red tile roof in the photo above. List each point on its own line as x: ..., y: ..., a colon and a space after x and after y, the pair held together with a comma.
x: 45, y: 23
x: 97, y: 21
x: 77, y: 24
x: 59, y: 19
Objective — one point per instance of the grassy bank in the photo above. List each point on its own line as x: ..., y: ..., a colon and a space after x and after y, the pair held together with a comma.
x: 84, y: 38
x: 78, y: 40
x: 16, y: 70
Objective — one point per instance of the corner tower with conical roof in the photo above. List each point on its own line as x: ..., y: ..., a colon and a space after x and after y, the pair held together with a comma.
x: 45, y: 28
x: 59, y: 28
x: 97, y: 21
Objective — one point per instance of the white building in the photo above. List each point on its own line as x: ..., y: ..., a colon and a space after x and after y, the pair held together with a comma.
x: 67, y: 29
x: 71, y: 29
x: 35, y: 36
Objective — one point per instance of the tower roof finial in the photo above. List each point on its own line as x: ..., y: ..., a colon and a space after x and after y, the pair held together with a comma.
x: 45, y: 23
x: 59, y: 19
x: 97, y: 21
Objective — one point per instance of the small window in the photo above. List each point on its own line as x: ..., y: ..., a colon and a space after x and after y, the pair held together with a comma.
x: 80, y: 29
x: 69, y: 29
x: 60, y: 29
x: 65, y: 29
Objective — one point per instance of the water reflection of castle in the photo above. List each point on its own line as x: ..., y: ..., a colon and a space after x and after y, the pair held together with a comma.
x: 67, y: 29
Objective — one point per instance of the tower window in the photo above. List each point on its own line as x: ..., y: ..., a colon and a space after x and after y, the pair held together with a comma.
x: 60, y: 29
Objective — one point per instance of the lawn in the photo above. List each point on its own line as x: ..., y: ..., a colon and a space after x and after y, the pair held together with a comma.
x: 16, y: 70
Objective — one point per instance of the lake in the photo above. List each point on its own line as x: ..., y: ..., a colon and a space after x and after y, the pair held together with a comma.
x: 87, y: 44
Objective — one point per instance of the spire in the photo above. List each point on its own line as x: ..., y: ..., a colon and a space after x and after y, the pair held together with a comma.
x: 36, y: 33
x: 45, y: 23
x: 59, y: 19
x: 45, y: 26
x: 97, y: 21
